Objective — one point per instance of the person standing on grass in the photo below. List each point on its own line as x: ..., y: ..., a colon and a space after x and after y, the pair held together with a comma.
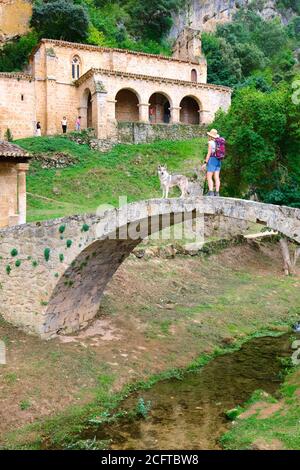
x: 213, y: 162
x: 78, y: 124
x: 38, y: 130
x: 64, y: 124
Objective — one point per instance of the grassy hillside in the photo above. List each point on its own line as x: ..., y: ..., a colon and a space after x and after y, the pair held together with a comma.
x: 97, y: 178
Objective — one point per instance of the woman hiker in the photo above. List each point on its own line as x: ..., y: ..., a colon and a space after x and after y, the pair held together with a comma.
x: 212, y: 164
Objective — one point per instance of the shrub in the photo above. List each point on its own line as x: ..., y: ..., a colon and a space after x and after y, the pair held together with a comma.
x: 60, y: 19
x: 47, y: 254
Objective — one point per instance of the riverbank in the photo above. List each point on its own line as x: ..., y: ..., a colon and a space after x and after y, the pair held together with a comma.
x: 156, y: 316
x: 266, y: 422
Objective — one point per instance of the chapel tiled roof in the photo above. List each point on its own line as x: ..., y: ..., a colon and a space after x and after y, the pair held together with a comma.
x: 9, y: 150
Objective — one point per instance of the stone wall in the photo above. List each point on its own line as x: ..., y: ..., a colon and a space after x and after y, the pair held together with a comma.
x: 17, y: 105
x: 112, y: 59
x: 138, y: 132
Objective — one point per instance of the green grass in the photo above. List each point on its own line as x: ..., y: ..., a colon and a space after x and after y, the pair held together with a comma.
x: 283, y: 425
x: 97, y: 178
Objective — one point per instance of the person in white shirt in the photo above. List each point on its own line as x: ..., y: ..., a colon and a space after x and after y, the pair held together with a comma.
x: 64, y: 124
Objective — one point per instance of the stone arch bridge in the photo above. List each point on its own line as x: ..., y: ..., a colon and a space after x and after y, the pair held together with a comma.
x: 53, y: 274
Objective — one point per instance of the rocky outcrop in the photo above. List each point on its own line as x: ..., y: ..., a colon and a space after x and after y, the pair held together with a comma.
x: 14, y: 18
x: 205, y: 15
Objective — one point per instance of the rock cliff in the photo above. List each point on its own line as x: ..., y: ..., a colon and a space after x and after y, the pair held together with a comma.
x: 14, y: 18
x: 206, y: 14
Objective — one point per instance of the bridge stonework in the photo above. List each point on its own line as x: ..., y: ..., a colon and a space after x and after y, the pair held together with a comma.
x: 53, y: 273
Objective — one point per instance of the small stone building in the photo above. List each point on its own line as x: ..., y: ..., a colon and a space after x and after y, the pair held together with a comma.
x: 13, y: 168
x: 115, y: 91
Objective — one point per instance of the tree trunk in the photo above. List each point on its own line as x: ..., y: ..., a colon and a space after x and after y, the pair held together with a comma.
x: 288, y: 264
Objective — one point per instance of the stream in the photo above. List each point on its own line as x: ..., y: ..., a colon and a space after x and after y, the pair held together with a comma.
x: 190, y: 413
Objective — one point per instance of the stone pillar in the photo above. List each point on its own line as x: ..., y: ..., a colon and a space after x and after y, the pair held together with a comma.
x: 100, y: 110
x: 111, y: 123
x: 205, y: 117
x: 144, y: 112
x: 22, y: 168
x: 175, y: 114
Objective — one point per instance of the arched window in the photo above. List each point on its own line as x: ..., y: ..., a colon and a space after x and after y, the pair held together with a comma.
x: 194, y: 75
x: 75, y: 68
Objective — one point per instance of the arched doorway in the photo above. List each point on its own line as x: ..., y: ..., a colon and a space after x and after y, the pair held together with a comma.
x: 190, y: 111
x: 89, y: 111
x: 85, y: 109
x: 127, y: 106
x: 159, y: 109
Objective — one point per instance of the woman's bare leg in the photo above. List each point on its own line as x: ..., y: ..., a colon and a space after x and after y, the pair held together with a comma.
x: 217, y: 181
x: 210, y: 181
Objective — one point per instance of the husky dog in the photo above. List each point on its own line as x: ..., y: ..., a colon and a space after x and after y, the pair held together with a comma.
x: 168, y: 181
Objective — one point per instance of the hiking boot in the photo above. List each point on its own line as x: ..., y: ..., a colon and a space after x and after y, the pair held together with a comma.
x: 210, y: 193
x: 217, y: 194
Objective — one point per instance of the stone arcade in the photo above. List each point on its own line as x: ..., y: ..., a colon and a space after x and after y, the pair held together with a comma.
x: 117, y: 92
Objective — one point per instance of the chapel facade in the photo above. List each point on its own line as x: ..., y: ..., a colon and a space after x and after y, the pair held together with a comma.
x: 108, y: 86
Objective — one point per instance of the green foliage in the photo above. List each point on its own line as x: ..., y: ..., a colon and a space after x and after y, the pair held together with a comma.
x: 233, y: 414
x: 99, y: 178
x: 61, y: 257
x: 18, y: 263
x: 85, y: 228
x: 62, y: 228
x: 142, y: 408
x: 47, y: 254
x: 24, y: 405
x: 132, y: 24
x: 285, y: 4
x: 60, y: 19
x: 14, y: 252
x: 14, y: 55
x: 262, y: 130
x: 8, y: 269
x: 69, y: 243
x: 151, y: 20
x: 249, y: 44
x: 223, y: 67
x: 34, y: 264
x: 8, y: 135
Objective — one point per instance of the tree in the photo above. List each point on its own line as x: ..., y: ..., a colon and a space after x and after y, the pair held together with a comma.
x: 151, y: 20
x: 262, y: 131
x: 61, y: 19
x: 223, y: 67
x: 14, y: 55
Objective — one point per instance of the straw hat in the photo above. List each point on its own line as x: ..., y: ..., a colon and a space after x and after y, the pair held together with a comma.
x: 213, y: 133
